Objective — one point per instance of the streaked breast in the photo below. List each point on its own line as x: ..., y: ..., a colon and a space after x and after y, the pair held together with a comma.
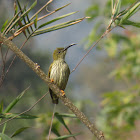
x: 60, y: 73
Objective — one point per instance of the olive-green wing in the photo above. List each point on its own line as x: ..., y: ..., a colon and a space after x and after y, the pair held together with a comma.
x: 49, y: 70
x: 53, y: 96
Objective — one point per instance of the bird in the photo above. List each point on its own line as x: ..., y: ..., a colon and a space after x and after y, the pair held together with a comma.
x: 59, y: 71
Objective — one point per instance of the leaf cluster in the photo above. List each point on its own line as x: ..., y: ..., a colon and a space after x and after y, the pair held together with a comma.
x: 23, y: 22
x: 120, y: 109
x: 30, y: 26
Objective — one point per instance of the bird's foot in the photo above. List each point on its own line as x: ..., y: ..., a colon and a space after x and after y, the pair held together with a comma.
x: 36, y: 66
x: 63, y: 93
x: 52, y: 80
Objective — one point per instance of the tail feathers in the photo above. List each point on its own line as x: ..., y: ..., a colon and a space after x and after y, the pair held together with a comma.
x: 54, y: 97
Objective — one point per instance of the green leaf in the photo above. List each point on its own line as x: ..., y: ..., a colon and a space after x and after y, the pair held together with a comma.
x: 26, y: 12
x: 35, y: 21
x: 1, y: 106
x: 4, y: 25
x: 129, y: 22
x: 117, y: 8
x: 19, y: 4
x: 23, y: 116
x: 4, y: 137
x: 67, y: 115
x: 20, y: 130
x: 112, y: 5
x: 55, y: 131
x: 66, y: 136
x: 130, y: 13
x: 62, y: 7
x: 93, y: 11
x: 60, y: 118
x: 15, y: 101
x: 44, y: 6
x: 23, y: 16
x: 11, y: 21
x: 58, y: 18
x: 27, y: 16
x: 31, y: 7
x: 57, y: 27
x: 16, y: 9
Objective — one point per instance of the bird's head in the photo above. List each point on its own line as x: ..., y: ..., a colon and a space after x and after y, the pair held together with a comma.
x: 59, y: 53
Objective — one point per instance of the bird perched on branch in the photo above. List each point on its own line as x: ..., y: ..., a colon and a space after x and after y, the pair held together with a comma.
x: 59, y: 71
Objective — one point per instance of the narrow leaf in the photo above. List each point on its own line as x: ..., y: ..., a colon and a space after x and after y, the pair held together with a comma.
x: 35, y: 21
x: 44, y: 6
x: 4, y: 137
x: 58, y: 26
x: 26, y: 12
x: 66, y: 136
x: 40, y: 18
x: 20, y: 130
x: 123, y: 12
x: 58, y: 18
x: 31, y: 7
x: 61, y: 120
x: 20, y: 30
x: 15, y: 101
x: 23, y: 16
x: 112, y: 5
x: 4, y: 25
x: 62, y: 7
x: 1, y: 106
x: 29, y: 22
x: 129, y: 22
x: 55, y: 131
x: 15, y: 7
x: 23, y: 116
x: 117, y: 8
x: 130, y: 12
x: 11, y: 21
x: 67, y: 115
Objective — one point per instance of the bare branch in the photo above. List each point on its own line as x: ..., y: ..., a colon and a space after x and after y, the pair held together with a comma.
x: 36, y: 68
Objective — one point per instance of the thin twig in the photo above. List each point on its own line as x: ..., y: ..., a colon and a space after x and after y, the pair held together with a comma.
x: 25, y: 110
x: 51, y: 122
x: 41, y: 9
x: 36, y: 68
x: 12, y: 20
x: 14, y: 58
x: 104, y: 34
x: 3, y: 63
x: 108, y: 29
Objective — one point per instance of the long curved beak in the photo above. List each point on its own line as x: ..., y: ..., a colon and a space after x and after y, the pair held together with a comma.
x: 69, y: 46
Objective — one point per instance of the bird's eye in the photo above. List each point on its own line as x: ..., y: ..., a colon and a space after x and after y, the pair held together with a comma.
x: 59, y: 52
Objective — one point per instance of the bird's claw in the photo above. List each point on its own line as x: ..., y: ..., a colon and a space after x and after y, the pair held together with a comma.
x: 52, y: 80
x: 36, y: 66
x: 63, y: 93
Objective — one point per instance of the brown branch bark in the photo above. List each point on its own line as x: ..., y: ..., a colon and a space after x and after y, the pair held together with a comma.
x: 36, y: 68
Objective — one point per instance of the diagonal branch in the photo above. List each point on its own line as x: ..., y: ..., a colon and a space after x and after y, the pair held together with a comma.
x: 36, y: 68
